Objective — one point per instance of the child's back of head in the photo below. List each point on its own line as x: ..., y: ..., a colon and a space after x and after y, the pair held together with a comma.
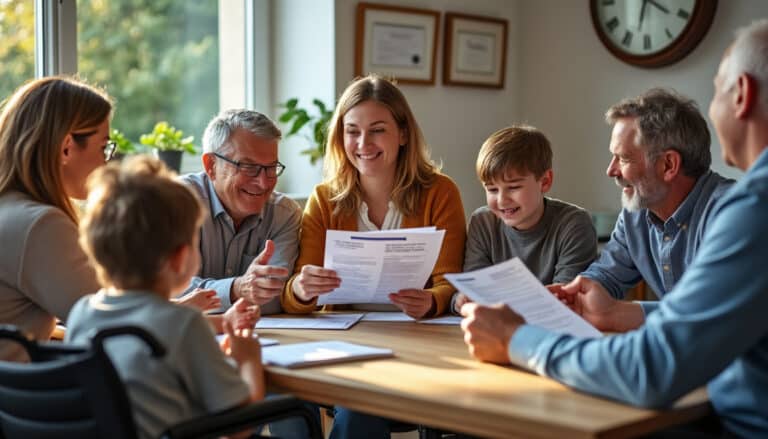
x: 137, y: 216
x: 522, y: 149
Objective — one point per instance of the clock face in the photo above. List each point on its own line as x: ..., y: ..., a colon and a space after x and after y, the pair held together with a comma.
x: 643, y: 27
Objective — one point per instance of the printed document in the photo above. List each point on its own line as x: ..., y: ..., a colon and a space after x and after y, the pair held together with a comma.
x: 373, y: 264
x: 511, y: 283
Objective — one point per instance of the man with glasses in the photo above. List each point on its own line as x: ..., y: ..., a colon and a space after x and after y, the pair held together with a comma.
x: 249, y: 241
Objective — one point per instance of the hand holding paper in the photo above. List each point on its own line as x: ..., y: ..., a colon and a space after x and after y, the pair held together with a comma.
x: 511, y: 283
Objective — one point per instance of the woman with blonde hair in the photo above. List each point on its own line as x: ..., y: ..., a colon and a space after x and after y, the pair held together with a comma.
x: 53, y: 133
x: 377, y: 176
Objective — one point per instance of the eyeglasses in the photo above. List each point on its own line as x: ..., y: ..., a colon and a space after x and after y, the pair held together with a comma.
x: 253, y: 170
x: 109, y: 150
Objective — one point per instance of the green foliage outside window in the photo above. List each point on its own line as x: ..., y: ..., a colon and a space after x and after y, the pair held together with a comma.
x: 157, y: 58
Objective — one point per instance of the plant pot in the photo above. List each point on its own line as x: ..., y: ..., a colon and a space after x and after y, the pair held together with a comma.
x: 172, y: 159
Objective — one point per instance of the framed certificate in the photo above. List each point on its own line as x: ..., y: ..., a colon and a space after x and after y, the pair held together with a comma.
x: 396, y: 42
x: 475, y: 51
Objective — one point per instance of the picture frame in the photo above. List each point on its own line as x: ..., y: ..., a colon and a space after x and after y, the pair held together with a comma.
x: 397, y: 42
x: 475, y: 50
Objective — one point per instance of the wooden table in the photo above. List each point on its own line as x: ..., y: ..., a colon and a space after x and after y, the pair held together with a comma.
x: 433, y: 381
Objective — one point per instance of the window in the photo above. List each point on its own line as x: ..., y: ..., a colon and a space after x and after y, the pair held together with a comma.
x: 17, y: 51
x: 157, y: 58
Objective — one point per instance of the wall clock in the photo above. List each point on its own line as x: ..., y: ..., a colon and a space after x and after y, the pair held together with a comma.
x: 651, y: 33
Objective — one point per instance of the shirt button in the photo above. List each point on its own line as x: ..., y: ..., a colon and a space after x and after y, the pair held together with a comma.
x: 229, y: 272
x: 666, y: 268
x: 684, y: 226
x: 667, y: 237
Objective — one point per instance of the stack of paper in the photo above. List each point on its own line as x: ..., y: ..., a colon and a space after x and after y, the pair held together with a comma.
x: 373, y: 264
x: 320, y: 352
x: 511, y: 283
x: 315, y: 321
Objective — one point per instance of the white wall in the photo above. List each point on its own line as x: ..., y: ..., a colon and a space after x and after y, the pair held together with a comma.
x: 455, y: 120
x: 568, y: 80
x: 559, y: 78
x: 303, y: 67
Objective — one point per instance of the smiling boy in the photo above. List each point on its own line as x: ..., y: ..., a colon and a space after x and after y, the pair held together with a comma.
x: 555, y: 240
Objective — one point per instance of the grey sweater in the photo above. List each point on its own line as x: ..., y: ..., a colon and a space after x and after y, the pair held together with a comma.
x: 556, y: 249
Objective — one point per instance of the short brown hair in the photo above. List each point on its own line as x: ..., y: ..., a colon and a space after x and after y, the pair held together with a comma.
x: 137, y: 215
x: 520, y: 148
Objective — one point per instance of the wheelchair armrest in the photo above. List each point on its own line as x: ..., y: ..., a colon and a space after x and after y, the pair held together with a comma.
x: 240, y: 418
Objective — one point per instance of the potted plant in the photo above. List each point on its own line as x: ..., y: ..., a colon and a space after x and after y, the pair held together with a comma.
x: 123, y: 146
x: 300, y: 117
x: 168, y: 143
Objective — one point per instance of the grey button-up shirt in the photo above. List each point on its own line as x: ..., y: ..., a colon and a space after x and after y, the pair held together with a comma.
x: 643, y: 247
x: 226, y: 253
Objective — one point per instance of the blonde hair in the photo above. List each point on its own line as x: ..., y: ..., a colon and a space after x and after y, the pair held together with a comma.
x: 521, y: 148
x: 414, y: 171
x: 137, y: 215
x: 33, y: 124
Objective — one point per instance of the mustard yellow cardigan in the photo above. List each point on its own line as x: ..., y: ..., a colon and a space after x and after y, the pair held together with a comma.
x: 440, y: 206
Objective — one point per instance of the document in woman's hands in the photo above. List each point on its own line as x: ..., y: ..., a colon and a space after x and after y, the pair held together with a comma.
x: 373, y: 264
x: 511, y: 283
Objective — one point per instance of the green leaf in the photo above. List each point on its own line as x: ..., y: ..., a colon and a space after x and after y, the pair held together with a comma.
x: 287, y: 116
x: 291, y: 103
x: 301, y: 119
x: 320, y: 105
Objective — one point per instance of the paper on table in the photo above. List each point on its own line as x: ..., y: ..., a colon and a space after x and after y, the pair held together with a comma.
x: 444, y: 320
x: 373, y: 264
x: 263, y: 341
x: 316, y: 321
x: 511, y: 283
x: 387, y: 316
x: 320, y: 352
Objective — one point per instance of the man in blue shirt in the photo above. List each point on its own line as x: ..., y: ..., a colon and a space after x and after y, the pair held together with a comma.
x: 711, y: 328
x: 661, y: 160
x: 250, y: 239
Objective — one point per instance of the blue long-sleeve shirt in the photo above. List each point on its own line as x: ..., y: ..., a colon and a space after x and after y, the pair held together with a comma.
x: 227, y: 253
x: 642, y: 247
x: 710, y: 329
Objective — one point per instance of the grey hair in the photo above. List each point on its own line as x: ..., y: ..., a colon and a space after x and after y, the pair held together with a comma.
x: 668, y: 120
x: 221, y: 127
x: 749, y: 54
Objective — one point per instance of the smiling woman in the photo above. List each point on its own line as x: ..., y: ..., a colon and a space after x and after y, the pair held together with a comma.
x: 378, y: 176
x: 53, y: 134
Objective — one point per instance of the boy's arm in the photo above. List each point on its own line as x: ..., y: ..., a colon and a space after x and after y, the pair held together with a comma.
x: 477, y: 251
x: 576, y: 247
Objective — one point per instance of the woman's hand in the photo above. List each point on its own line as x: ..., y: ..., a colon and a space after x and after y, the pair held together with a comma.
x: 414, y: 302
x: 314, y: 281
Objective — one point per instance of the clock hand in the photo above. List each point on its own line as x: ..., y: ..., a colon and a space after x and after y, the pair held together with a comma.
x: 661, y: 8
x: 642, y: 14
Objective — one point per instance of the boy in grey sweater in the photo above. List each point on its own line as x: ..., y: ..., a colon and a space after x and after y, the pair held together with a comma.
x: 556, y: 240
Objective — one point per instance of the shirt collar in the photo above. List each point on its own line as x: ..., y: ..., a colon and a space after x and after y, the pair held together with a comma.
x: 682, y: 214
x: 216, y: 207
